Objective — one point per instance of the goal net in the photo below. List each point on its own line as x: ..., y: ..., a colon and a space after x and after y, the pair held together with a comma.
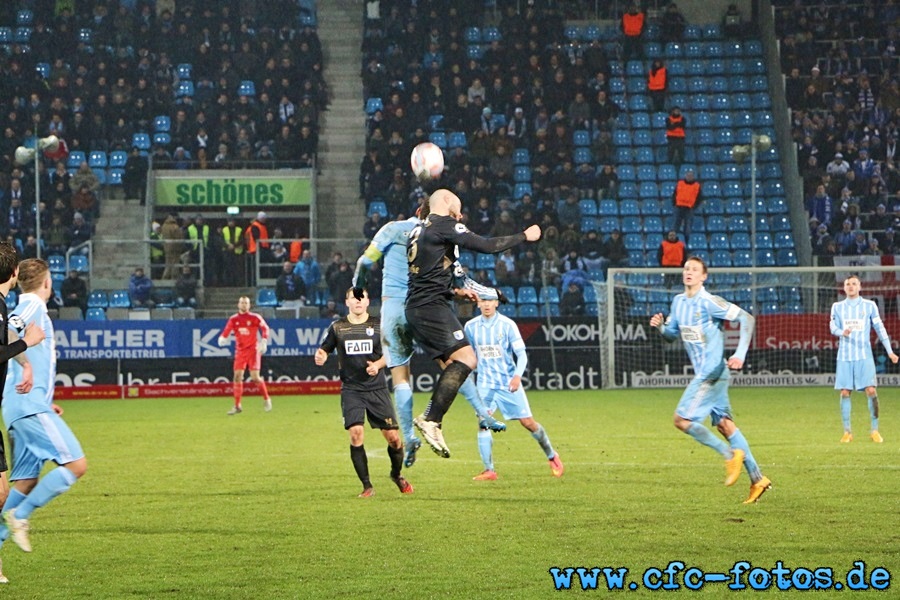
x: 792, y: 344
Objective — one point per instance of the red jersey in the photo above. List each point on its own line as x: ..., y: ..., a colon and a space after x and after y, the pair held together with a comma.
x: 245, y: 326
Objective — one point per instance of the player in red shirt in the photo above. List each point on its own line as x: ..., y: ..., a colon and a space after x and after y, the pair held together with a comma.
x: 248, y: 350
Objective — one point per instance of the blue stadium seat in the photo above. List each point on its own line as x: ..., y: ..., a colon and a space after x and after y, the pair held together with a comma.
x: 581, y: 138
x: 95, y: 313
x: 162, y: 139
x: 162, y: 123
x: 185, y: 71
x: 608, y: 208
x: 97, y: 299
x: 485, y: 261
x: 646, y: 173
x: 548, y: 294
x: 119, y: 299
x: 457, y: 139
x: 438, y: 138
x: 467, y: 259
x: 632, y: 225
x: 117, y: 158
x: 246, y: 88
x: 139, y: 140
x: 184, y: 88
x: 520, y: 189
x: 43, y: 69
x: 378, y: 206
x: 653, y: 226
x: 719, y: 241
x: 721, y: 258
x: 521, y: 174
x: 629, y: 208
x: 266, y: 297
x: 527, y: 310
x: 22, y: 35
x: 785, y: 257
x: 97, y: 159
x: 588, y: 207
x: 740, y: 240
x: 57, y: 263
x: 79, y: 262
x: 76, y: 157
x: 521, y: 156
x: 374, y: 105
x: 115, y: 176
x: 583, y: 155
x: 526, y: 295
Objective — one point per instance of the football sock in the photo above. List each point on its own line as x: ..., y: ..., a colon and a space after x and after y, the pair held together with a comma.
x: 12, y: 501
x: 396, y: 455
x: 403, y: 398
x: 739, y: 442
x: 262, y: 386
x: 470, y: 393
x: 873, y: 410
x: 445, y: 392
x: 485, y: 448
x: 707, y: 438
x: 541, y: 436
x: 361, y: 464
x: 238, y: 392
x: 51, y: 485
x: 845, y: 412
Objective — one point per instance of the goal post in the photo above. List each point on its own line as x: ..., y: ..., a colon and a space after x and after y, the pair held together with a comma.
x: 792, y: 343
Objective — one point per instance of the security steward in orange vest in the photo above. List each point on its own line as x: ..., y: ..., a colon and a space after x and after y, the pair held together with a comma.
x: 234, y: 270
x: 656, y: 85
x: 671, y: 255
x: 675, y: 124
x: 686, y: 198
x: 633, y: 29
x: 257, y: 238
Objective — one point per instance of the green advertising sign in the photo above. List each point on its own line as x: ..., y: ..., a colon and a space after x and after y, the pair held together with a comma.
x: 216, y: 191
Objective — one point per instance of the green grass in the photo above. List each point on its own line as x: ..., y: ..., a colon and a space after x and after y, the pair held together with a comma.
x: 181, y: 501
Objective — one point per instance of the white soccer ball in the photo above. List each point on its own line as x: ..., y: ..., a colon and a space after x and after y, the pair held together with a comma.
x: 427, y: 160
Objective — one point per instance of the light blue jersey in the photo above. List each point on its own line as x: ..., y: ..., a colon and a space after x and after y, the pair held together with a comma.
x: 390, y: 242
x: 500, y: 350
x: 31, y: 309
x: 698, y: 320
x: 859, y: 316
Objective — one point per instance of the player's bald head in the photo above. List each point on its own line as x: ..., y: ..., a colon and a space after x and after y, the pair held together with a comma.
x: 444, y: 202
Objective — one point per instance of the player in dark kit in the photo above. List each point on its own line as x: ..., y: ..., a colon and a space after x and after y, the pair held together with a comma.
x: 431, y: 251
x: 364, y: 391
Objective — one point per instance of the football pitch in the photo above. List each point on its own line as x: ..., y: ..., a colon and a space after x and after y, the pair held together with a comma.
x: 180, y: 501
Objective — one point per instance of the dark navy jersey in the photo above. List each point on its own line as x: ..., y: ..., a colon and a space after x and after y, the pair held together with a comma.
x: 356, y: 344
x: 431, y: 251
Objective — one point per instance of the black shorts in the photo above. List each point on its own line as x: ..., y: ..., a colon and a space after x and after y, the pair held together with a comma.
x: 356, y: 405
x: 3, y: 466
x: 437, y: 329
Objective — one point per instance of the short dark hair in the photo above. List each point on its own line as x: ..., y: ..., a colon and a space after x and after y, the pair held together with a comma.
x: 9, y: 260
x: 702, y: 262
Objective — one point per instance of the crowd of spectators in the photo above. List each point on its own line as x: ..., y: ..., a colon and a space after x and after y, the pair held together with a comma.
x: 840, y: 64
x: 94, y: 74
x: 524, y: 91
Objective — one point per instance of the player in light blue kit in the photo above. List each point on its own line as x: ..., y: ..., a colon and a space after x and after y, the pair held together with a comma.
x: 501, y: 363
x: 397, y: 340
x: 852, y: 320
x: 698, y: 318
x: 37, y: 433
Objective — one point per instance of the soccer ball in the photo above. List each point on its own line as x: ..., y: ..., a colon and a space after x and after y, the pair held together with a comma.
x: 427, y: 160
